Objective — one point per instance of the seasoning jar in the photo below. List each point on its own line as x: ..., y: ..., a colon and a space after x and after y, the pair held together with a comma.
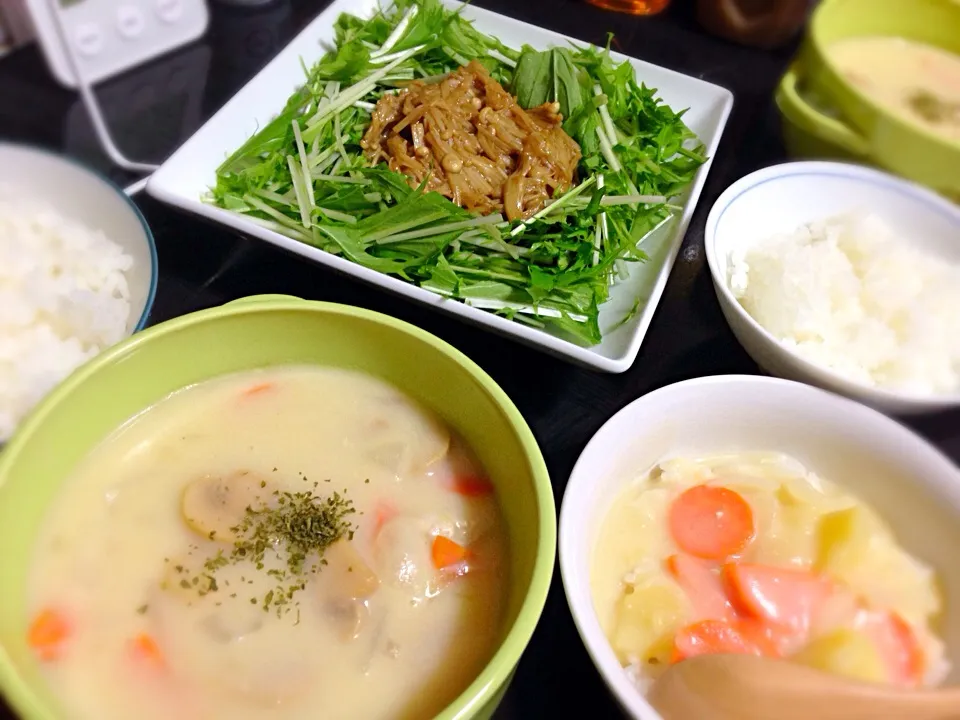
x: 763, y: 24
x: 632, y: 7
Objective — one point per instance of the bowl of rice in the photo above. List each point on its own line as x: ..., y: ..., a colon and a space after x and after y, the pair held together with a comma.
x: 78, y: 273
x: 843, y: 277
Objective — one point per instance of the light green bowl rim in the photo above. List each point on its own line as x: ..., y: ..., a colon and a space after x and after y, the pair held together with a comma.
x: 500, y: 667
x: 818, y: 20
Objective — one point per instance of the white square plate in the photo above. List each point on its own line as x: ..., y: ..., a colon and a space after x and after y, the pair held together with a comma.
x: 191, y: 171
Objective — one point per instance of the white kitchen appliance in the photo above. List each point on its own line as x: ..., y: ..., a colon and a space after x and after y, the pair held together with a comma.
x: 86, y: 41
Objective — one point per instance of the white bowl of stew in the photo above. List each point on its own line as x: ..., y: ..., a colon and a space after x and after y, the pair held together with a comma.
x: 875, y: 473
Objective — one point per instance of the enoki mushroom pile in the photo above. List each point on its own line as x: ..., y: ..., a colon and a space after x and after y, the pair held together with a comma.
x: 469, y: 140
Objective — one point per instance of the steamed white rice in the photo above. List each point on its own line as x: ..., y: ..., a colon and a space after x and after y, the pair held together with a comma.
x: 848, y: 294
x: 63, y: 299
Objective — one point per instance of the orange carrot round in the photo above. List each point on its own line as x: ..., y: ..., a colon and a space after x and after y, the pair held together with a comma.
x: 712, y: 637
x: 48, y: 633
x: 711, y: 522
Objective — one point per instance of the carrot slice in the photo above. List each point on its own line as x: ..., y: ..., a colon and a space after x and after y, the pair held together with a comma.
x: 48, y: 633
x: 258, y: 388
x: 446, y: 553
x: 470, y: 485
x: 383, y: 513
x: 899, y: 647
x: 711, y: 522
x: 709, y: 637
x: 702, y: 585
x: 786, y: 597
x: 144, y: 648
x: 910, y: 658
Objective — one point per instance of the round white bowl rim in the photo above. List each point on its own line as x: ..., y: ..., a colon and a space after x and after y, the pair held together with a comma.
x: 584, y: 617
x: 850, y: 171
x: 98, y: 177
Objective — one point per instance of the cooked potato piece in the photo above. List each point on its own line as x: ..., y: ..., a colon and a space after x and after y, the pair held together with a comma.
x: 646, y: 617
x: 845, y: 652
x: 799, y: 493
x: 346, y: 575
x: 404, y: 437
x: 844, y: 538
x: 403, y: 554
x: 790, y: 537
x: 856, y: 547
x: 213, y: 505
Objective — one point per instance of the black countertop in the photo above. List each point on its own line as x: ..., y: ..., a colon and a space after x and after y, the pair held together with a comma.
x: 155, y: 108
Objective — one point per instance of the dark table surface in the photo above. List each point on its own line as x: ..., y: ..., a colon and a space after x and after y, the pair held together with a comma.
x: 155, y: 108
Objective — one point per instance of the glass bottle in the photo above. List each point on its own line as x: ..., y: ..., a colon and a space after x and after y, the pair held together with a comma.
x: 632, y: 7
x: 759, y: 23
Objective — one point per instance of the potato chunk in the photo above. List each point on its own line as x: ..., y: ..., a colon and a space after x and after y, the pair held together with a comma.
x: 647, y: 618
x: 845, y: 652
x: 403, y: 437
x: 856, y: 547
x: 346, y: 575
x: 844, y: 538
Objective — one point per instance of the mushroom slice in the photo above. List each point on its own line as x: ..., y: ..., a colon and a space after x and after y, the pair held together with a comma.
x: 213, y: 505
x: 349, y: 617
x: 346, y: 583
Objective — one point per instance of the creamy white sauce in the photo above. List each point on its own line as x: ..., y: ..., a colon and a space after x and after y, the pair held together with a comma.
x: 917, y: 81
x: 108, y: 556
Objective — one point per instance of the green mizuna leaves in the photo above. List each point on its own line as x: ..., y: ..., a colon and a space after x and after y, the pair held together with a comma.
x: 304, y: 173
x: 548, y: 76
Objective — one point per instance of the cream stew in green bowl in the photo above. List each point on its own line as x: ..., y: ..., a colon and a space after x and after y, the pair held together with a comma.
x: 273, y: 509
x: 879, y: 81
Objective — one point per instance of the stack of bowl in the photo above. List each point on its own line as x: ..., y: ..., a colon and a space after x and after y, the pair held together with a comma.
x: 827, y: 116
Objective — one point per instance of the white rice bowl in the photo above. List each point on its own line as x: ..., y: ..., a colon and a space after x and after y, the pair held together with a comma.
x: 64, y: 297
x: 848, y: 294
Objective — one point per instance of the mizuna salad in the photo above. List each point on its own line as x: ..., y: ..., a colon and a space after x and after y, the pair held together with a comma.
x: 517, y: 181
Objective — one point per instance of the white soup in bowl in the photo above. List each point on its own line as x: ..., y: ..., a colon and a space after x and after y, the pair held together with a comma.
x: 755, y: 515
x: 293, y: 543
x: 751, y: 553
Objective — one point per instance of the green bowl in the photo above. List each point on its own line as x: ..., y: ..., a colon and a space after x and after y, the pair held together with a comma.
x: 861, y: 129
x: 253, y: 333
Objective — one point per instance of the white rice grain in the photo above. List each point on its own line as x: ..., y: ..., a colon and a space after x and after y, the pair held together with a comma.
x: 848, y: 294
x: 63, y: 299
